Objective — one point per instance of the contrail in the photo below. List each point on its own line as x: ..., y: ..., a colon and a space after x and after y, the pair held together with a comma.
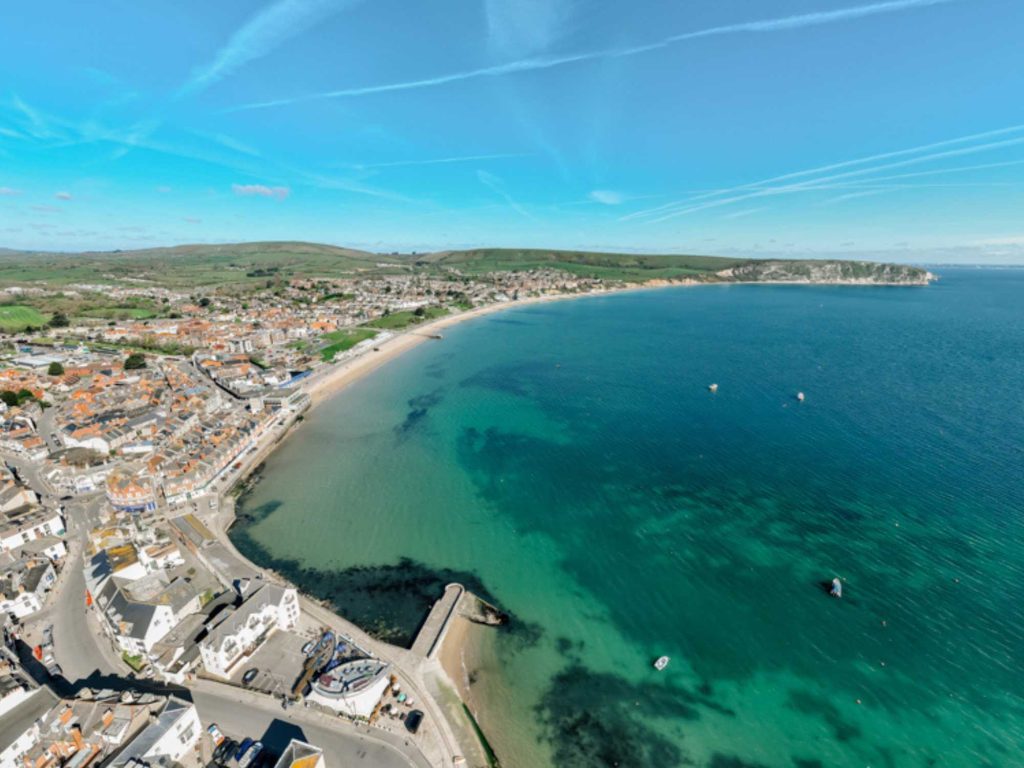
x: 825, y: 168
x: 818, y: 183
x: 547, y: 62
x: 260, y: 35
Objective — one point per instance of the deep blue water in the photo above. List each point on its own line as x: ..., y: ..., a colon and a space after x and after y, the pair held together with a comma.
x: 569, y: 460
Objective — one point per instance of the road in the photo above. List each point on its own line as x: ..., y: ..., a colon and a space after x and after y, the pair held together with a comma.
x: 239, y: 713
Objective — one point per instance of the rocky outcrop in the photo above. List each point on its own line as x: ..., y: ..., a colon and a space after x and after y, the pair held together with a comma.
x: 835, y: 272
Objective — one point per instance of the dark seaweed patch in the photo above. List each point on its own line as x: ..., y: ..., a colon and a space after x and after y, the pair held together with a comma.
x: 809, y: 704
x: 390, y: 602
x: 718, y: 760
x: 419, y: 407
x: 598, y: 719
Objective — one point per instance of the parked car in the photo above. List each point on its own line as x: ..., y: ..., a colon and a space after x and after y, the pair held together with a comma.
x: 249, y: 676
x: 54, y: 670
x: 251, y: 755
x: 243, y: 747
x: 223, y: 753
x: 413, y: 720
x: 48, y: 636
x: 214, y: 731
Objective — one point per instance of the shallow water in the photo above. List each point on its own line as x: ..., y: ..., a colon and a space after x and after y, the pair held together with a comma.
x: 568, y: 460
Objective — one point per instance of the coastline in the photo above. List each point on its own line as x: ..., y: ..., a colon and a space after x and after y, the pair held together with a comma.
x: 460, y: 651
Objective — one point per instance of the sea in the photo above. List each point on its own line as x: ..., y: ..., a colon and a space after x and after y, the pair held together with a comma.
x: 568, y: 462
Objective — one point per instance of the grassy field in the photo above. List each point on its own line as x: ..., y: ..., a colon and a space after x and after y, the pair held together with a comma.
x: 398, y: 320
x: 343, y: 340
x: 119, y: 313
x: 240, y: 264
x: 17, y: 318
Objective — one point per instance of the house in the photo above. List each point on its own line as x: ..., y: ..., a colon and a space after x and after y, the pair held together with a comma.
x: 20, y: 725
x: 240, y: 632
x: 24, y: 585
x: 27, y: 523
x: 166, y: 740
x: 130, y: 491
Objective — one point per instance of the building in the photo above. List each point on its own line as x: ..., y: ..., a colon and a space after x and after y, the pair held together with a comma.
x: 353, y: 688
x: 21, y: 725
x: 240, y: 632
x: 299, y: 754
x: 28, y: 523
x: 130, y: 491
x: 166, y: 740
x: 24, y: 585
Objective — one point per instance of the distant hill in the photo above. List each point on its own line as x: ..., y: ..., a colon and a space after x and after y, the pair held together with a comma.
x: 185, y: 265
x: 242, y: 264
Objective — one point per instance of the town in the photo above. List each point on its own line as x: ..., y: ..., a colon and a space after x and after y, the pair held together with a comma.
x: 134, y: 633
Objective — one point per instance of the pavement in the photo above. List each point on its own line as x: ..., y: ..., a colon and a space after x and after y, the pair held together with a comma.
x: 239, y: 713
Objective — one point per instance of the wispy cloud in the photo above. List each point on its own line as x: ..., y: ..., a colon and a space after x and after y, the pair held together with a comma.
x: 821, y: 180
x: 274, y: 25
x: 9, y: 191
x: 191, y: 220
x: 496, y: 185
x: 854, y: 196
x: 607, y: 197
x: 437, y: 161
x: 260, y: 190
x: 63, y: 195
x: 780, y: 24
x: 163, y: 189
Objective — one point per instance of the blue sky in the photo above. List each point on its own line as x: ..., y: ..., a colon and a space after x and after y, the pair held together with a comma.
x: 794, y: 127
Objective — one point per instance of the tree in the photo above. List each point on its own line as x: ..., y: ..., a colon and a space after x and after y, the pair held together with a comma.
x: 204, y: 302
x: 9, y: 397
x: 59, y: 320
x: 134, y: 361
x: 419, y: 312
x: 55, y: 369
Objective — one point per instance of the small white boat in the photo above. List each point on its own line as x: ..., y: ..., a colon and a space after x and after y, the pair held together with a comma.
x: 800, y: 396
x: 712, y: 388
x: 837, y: 588
x: 661, y: 663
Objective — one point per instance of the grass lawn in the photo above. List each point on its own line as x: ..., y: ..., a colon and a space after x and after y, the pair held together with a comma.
x: 17, y: 318
x: 344, y: 339
x: 398, y: 320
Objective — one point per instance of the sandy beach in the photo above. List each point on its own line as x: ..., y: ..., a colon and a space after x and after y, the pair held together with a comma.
x: 359, y: 365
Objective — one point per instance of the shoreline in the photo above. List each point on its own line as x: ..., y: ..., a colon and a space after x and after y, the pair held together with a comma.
x: 354, y: 368
x: 460, y: 649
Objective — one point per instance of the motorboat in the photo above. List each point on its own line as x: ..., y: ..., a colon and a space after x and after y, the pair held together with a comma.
x: 661, y: 663
x: 712, y: 387
x: 837, y: 588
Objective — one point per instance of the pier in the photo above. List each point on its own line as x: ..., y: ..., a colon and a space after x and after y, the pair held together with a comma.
x: 428, y: 639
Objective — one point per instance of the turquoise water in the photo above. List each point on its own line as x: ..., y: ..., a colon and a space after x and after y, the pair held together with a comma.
x: 569, y: 461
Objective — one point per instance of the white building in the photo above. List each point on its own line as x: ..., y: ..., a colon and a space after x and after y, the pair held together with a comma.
x: 166, y: 740
x: 25, y: 524
x: 240, y: 632
x: 353, y: 688
x: 20, y: 725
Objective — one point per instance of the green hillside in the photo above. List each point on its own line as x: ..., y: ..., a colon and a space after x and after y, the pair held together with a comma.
x: 189, y: 265
x: 627, y: 267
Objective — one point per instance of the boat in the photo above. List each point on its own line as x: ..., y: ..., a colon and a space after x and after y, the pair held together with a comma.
x: 712, y: 388
x: 837, y: 588
x: 800, y: 396
x: 661, y: 663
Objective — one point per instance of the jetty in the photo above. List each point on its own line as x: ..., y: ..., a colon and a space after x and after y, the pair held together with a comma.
x: 428, y: 639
